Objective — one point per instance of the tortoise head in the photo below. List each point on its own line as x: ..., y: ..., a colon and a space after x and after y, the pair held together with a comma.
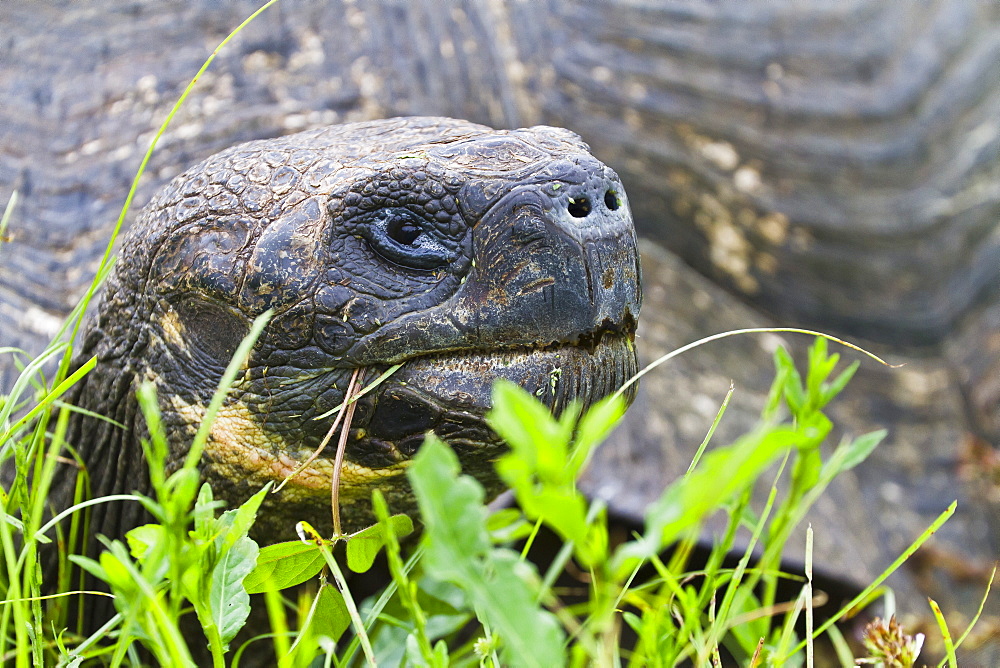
x: 463, y: 253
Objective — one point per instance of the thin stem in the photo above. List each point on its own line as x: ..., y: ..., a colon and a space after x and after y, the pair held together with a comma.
x: 914, y: 546
x: 322, y: 446
x: 356, y: 378
x: 106, y: 259
x: 352, y: 609
x: 368, y: 388
x: 809, y: 596
x: 753, y: 330
x: 39, y: 535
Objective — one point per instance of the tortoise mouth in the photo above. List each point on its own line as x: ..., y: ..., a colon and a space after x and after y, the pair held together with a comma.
x: 449, y: 393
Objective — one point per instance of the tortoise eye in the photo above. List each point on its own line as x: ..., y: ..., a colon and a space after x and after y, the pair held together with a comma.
x: 404, y: 238
x: 210, y: 329
x: 402, y: 230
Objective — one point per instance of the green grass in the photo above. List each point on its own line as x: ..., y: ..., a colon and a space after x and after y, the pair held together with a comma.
x: 466, y: 594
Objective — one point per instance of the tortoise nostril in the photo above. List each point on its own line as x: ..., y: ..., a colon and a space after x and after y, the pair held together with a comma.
x: 579, y: 207
x: 611, y: 200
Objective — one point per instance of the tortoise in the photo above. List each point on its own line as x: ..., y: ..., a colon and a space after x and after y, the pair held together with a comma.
x: 813, y: 163
x: 465, y: 254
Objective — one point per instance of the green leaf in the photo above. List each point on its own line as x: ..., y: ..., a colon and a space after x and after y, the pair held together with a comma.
x: 458, y: 550
x: 563, y: 510
x: 141, y: 538
x: 331, y: 617
x: 834, y: 388
x: 814, y: 428
x: 532, y: 432
x: 182, y: 488
x: 228, y: 600
x: 413, y: 656
x: 451, y: 505
x: 594, y: 427
x: 235, y: 524
x: 853, y: 452
x: 204, y: 512
x: 155, y: 448
x: 508, y: 525
x: 284, y: 565
x: 686, y: 503
x: 364, y: 546
x: 90, y: 566
x: 116, y: 573
x: 792, y: 381
x: 820, y: 367
x: 441, y: 653
x: 775, y: 394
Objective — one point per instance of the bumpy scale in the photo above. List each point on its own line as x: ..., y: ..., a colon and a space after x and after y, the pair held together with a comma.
x: 465, y: 253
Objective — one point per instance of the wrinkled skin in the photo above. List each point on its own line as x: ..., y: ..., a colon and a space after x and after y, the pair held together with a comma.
x: 464, y: 253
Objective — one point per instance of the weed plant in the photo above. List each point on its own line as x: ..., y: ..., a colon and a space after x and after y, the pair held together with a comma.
x: 463, y: 596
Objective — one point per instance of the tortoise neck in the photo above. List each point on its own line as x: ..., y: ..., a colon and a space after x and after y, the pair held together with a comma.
x: 107, y: 445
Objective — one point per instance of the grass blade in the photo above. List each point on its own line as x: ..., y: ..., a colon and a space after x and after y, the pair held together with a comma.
x: 921, y: 539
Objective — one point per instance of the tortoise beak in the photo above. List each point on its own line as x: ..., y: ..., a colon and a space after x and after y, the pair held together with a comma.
x: 450, y: 394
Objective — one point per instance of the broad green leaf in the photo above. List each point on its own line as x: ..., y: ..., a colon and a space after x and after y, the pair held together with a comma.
x: 141, y: 538
x: 115, y: 572
x: 330, y: 618
x: 531, y: 430
x: 284, y: 565
x: 530, y: 635
x: 236, y: 523
x: 228, y: 600
x: 542, y: 468
x: 594, y: 427
x: 721, y: 474
x: 451, y: 504
x: 564, y: 511
x: 458, y: 550
x: 196, y: 578
x: 364, y: 546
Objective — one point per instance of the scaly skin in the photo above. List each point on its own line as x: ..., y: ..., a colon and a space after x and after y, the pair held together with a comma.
x: 465, y: 253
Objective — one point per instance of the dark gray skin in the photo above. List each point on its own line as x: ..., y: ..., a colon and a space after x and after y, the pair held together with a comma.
x: 829, y: 164
x: 464, y: 253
